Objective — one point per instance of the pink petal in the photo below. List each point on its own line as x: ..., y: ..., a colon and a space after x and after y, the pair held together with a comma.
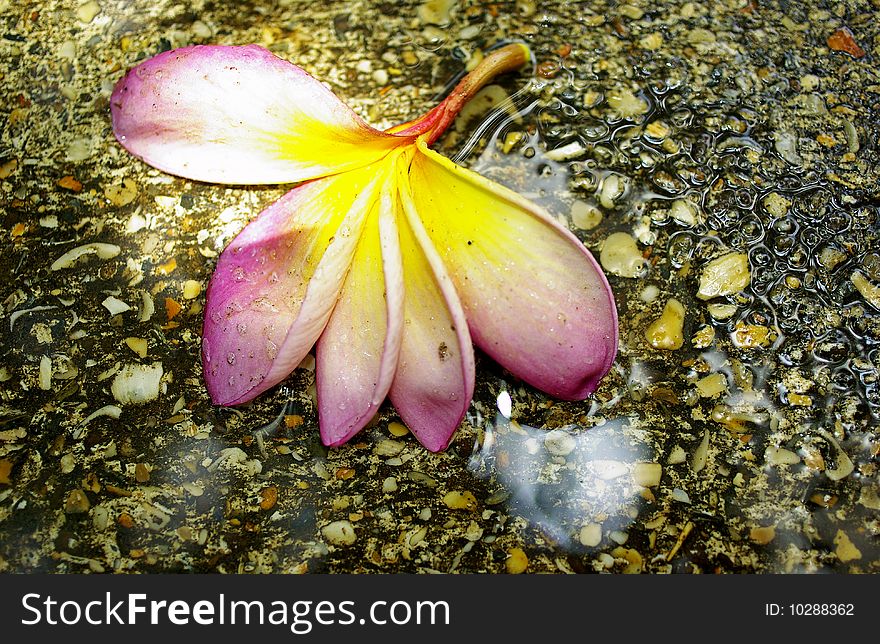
x: 275, y: 285
x: 534, y: 297
x: 238, y: 115
x: 435, y: 377
x: 358, y: 351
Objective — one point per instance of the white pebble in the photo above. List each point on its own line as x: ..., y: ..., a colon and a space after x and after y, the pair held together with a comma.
x: 86, y: 12
x: 591, y: 535
x: 680, y: 495
x: 115, y: 305
x: 621, y: 256
x: 201, y: 30
x: 136, y: 384
x: 68, y: 259
x: 724, y: 275
x: 339, y: 533
x: 67, y: 50
x: 45, y: 373
x: 567, y: 152
x: 559, y: 442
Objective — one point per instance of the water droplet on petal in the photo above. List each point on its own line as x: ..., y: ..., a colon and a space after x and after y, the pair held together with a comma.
x: 238, y: 273
x: 230, y: 357
x: 263, y: 305
x: 241, y: 327
x: 271, y: 349
x: 206, y: 349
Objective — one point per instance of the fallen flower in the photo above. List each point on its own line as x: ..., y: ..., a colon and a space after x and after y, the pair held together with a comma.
x: 389, y: 256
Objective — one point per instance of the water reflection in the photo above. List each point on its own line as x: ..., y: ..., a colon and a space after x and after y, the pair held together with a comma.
x: 578, y: 484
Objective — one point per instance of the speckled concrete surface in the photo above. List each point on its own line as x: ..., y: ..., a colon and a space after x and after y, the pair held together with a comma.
x: 699, y: 130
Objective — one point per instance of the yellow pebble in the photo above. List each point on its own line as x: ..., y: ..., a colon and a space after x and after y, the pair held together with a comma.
x: 517, y: 561
x: 666, y: 332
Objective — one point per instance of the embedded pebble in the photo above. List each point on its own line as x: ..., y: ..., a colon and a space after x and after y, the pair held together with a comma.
x: 559, y: 442
x: 776, y: 204
x: 762, y: 535
x: 652, y: 41
x: 136, y: 384
x: 844, y: 548
x: 115, y: 305
x: 590, y: 535
x: 389, y: 484
x: 567, y: 152
x: 202, y: 30
x: 121, y: 194
x: 724, y: 275
x: 780, y: 456
x: 584, y: 215
x: 649, y: 293
x: 436, y: 12
x: 721, y: 311
x: 268, y: 497
x: 339, y: 533
x: 67, y: 50
x: 79, y: 150
x: 680, y: 495
x: 141, y: 473
x: 677, y: 455
x: 627, y: 104
x: 683, y: 212
x: 76, y: 502
x: 417, y: 536
x: 667, y: 331
x: 711, y: 385
x: 621, y: 256
x: 101, y: 250
x: 86, y: 12
x: 458, y: 500
x: 138, y: 345
x: 869, y: 291
x: 517, y: 562
x: 397, y: 429
x: 613, y: 188
x: 45, y: 377
x: 786, y: 146
x: 473, y: 532
x: 388, y: 447
x: 191, y: 289
x: 701, y: 453
x: 608, y: 469
x: 647, y: 474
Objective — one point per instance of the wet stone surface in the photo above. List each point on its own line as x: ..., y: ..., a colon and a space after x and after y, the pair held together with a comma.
x: 732, y: 152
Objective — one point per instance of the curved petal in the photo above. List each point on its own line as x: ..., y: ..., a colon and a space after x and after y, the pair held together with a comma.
x: 275, y: 285
x: 534, y: 297
x: 434, y: 383
x: 230, y: 114
x: 357, y: 353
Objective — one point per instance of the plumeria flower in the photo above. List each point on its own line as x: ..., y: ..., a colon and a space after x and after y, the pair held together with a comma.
x: 387, y: 257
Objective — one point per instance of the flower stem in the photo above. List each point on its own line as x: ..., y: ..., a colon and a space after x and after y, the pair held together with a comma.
x: 432, y: 124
